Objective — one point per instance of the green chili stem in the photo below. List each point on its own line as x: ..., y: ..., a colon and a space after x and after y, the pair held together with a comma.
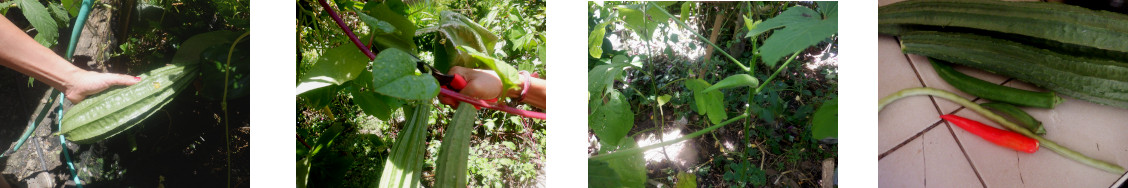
x: 1062, y: 150
x: 622, y: 153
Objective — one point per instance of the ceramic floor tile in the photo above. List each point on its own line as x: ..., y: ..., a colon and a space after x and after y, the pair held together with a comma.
x: 933, y: 160
x: 900, y: 120
x: 945, y: 163
x: 903, y: 168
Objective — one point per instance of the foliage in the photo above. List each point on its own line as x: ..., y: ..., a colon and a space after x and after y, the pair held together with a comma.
x: 648, y: 82
x: 744, y: 173
x: 337, y: 83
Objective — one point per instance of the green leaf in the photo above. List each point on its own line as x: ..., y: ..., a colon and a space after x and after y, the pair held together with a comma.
x: 600, y: 174
x: 320, y: 97
x: 190, y: 50
x: 802, y: 27
x: 663, y: 99
x: 829, y: 9
x: 824, y: 124
x: 39, y: 17
x: 686, y: 180
x: 372, y: 103
x: 602, y: 76
x: 334, y: 67
x: 389, y: 29
x: 72, y: 6
x: 612, y: 119
x: 541, y: 53
x: 394, y: 74
x: 404, y: 165
x: 595, y: 40
x: 461, y: 31
x: 508, y: 74
x: 739, y: 80
x: 708, y: 103
x: 631, y: 168
x: 643, y: 23
x: 61, y: 17
x: 686, y: 9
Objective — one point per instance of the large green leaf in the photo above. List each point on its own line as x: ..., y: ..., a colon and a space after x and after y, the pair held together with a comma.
x: 824, y: 124
x: 405, y: 163
x: 643, y: 23
x: 190, y: 51
x: 738, y: 80
x: 389, y: 29
x: 461, y: 31
x: 334, y: 67
x: 508, y: 74
x: 455, y: 149
x: 595, y: 40
x: 372, y: 103
x: 394, y: 74
x: 612, y: 119
x: 37, y: 14
x: 62, y: 18
x: 708, y: 103
x: 602, y: 76
x: 802, y: 27
x: 631, y: 168
x: 600, y: 174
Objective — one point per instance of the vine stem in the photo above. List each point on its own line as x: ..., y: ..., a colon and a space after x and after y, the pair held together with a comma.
x: 1062, y: 150
x: 703, y: 39
x: 444, y: 91
x: 223, y: 103
x: 622, y: 153
x: 336, y: 17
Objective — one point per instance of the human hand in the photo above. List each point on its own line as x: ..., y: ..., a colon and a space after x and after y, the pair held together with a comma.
x: 480, y: 84
x: 85, y: 83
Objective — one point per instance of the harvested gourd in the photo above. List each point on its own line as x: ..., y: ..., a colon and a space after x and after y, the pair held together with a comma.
x: 1052, y: 21
x: 116, y: 110
x: 1096, y: 80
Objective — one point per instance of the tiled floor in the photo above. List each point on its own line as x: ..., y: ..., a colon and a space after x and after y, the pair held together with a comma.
x: 918, y: 150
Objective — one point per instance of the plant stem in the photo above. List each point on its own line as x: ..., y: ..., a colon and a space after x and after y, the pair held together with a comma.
x: 622, y: 153
x: 223, y: 104
x: 348, y: 31
x: 780, y: 69
x: 706, y: 40
x: 1076, y: 156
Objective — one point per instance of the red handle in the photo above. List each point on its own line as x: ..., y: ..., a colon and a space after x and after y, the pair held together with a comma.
x: 458, y: 82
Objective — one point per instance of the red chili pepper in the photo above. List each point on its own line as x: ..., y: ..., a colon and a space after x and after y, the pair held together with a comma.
x: 995, y: 135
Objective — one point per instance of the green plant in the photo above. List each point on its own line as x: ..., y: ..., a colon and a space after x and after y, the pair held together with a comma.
x: 744, y: 173
x: 380, y: 81
x: 611, y: 115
